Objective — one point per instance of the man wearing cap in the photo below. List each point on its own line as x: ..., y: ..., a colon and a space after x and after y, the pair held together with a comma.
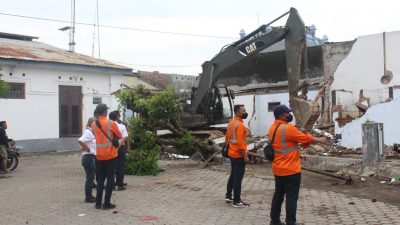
x: 286, y: 165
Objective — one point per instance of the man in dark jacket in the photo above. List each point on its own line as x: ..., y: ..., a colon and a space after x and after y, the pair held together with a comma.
x: 4, y: 145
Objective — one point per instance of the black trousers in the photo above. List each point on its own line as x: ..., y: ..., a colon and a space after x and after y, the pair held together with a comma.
x: 105, y: 169
x: 288, y: 186
x: 235, y: 179
x: 121, y: 165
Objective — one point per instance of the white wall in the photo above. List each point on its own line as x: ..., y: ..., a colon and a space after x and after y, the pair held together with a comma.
x: 385, y: 113
x: 263, y: 118
x: 363, y: 69
x: 36, y: 116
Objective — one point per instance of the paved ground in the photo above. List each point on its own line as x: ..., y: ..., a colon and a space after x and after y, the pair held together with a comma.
x: 48, y: 189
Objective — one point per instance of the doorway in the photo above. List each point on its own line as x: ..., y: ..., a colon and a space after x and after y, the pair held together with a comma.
x: 70, y: 110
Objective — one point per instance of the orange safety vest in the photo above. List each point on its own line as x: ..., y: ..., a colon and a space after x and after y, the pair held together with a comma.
x: 104, y: 148
x: 287, y: 152
x: 236, y: 135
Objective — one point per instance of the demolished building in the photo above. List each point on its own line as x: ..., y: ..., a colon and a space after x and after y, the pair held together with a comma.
x: 359, y: 77
x: 366, y: 88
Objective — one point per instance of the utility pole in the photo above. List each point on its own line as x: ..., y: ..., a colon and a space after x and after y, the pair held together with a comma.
x: 98, y: 25
x: 72, y: 30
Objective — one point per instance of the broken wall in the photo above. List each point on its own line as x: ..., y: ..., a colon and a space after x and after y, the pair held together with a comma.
x: 332, y: 55
x: 263, y: 108
x: 385, y: 113
x: 357, y: 80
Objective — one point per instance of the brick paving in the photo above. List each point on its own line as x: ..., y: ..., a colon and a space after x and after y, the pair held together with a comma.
x: 48, y: 189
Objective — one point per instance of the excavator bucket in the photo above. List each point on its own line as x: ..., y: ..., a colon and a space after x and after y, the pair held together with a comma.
x: 306, y: 112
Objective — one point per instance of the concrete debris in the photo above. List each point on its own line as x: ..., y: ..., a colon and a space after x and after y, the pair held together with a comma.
x: 331, y: 150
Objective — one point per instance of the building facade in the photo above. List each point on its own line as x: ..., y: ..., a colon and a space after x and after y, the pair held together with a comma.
x: 53, y: 92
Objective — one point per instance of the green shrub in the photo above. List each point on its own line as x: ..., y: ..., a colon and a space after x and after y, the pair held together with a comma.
x: 155, y: 111
x: 142, y: 160
x: 186, y: 144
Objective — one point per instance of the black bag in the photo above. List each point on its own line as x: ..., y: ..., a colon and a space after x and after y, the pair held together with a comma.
x: 224, y: 150
x: 268, y: 150
x: 114, y: 141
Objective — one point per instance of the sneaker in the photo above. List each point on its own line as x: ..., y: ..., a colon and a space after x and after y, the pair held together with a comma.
x: 121, y: 188
x: 108, y: 206
x: 228, y: 199
x: 276, y: 223
x: 4, y: 176
x: 90, y: 200
x: 97, y: 206
x: 240, y: 204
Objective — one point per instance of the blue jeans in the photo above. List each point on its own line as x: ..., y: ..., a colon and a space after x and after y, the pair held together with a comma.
x: 235, y: 179
x: 88, y: 163
x: 289, y: 186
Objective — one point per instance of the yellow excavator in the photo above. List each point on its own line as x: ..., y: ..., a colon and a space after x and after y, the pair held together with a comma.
x: 206, y: 103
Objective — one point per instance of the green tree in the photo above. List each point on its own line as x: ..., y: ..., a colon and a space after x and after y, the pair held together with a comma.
x: 157, y: 111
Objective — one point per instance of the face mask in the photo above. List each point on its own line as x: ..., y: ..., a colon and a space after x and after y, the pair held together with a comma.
x: 245, y: 115
x: 289, y: 118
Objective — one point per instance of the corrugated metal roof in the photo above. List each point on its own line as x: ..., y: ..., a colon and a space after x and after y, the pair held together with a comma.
x: 156, y: 79
x: 40, y: 52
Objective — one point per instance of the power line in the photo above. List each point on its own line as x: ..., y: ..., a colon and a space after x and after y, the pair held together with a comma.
x: 118, y: 27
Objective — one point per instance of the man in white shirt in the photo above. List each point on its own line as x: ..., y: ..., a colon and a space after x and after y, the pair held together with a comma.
x: 122, y: 150
x: 87, y: 143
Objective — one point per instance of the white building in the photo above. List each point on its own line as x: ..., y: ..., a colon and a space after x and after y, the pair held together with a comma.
x: 369, y: 75
x: 53, y: 91
x: 363, y: 72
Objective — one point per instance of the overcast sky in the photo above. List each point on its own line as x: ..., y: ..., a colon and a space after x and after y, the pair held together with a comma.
x: 341, y: 20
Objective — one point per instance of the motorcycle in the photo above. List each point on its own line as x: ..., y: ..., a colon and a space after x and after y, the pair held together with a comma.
x: 13, y: 155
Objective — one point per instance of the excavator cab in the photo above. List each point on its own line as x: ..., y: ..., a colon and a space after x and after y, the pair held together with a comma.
x: 217, y: 108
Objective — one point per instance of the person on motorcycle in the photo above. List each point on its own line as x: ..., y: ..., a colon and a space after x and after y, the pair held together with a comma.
x: 4, y: 145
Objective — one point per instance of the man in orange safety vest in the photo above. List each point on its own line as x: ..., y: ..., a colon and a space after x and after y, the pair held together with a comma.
x: 236, y: 135
x: 286, y: 165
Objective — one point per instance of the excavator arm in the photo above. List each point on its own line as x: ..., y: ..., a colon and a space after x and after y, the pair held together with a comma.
x: 220, y: 65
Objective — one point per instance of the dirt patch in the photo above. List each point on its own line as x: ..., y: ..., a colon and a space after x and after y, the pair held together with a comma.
x: 371, y: 188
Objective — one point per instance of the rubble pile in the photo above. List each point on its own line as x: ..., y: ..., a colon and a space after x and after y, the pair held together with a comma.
x: 332, y: 150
